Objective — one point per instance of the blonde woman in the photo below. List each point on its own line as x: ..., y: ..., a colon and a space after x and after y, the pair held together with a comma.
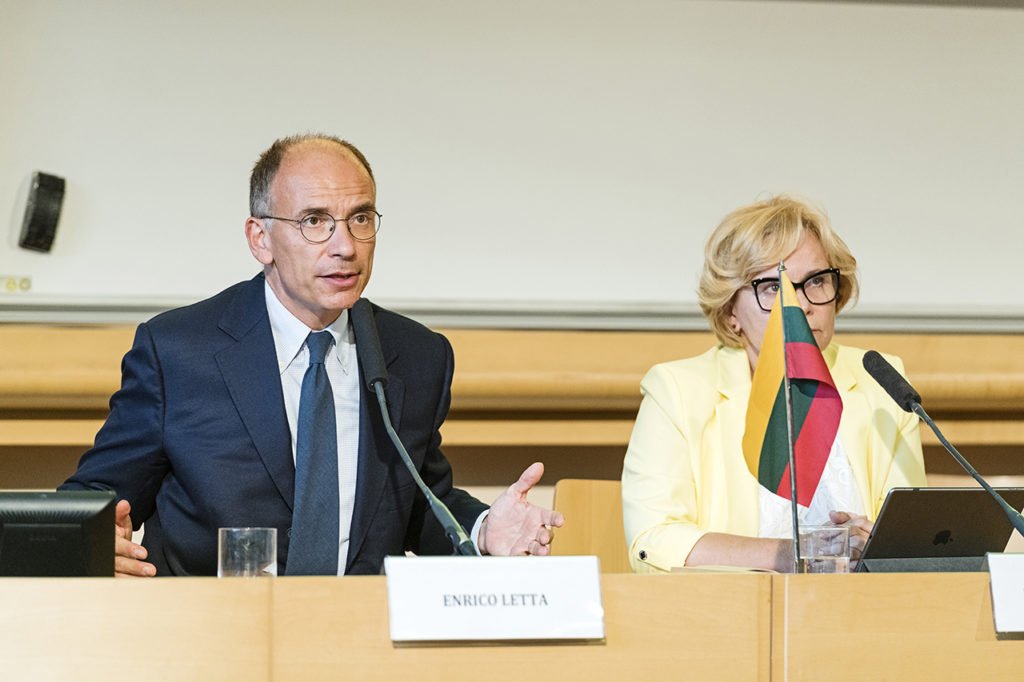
x: 688, y: 497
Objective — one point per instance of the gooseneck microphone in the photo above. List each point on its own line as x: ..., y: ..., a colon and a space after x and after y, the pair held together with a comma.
x: 375, y: 373
x: 900, y: 390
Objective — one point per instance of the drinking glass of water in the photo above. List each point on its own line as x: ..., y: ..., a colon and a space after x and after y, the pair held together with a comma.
x: 246, y: 552
x: 824, y: 549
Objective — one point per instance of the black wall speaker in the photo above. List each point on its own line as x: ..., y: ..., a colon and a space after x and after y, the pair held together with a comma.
x: 42, y: 212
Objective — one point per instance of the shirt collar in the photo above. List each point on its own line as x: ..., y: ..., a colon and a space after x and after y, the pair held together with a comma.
x: 290, y: 333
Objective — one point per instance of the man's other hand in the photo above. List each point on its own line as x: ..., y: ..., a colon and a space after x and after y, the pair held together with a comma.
x: 514, y: 526
x: 129, y: 558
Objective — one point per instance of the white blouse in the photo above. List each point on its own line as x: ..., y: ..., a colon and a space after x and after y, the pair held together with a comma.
x: 837, y: 491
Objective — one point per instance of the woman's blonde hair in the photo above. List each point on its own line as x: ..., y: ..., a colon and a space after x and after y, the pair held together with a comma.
x: 754, y: 238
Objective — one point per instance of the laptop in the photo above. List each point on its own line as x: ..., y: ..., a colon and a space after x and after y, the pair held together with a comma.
x: 938, y: 529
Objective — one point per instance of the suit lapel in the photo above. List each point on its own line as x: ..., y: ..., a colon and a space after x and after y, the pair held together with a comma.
x: 724, y: 458
x: 734, y: 387
x: 377, y: 456
x: 249, y: 368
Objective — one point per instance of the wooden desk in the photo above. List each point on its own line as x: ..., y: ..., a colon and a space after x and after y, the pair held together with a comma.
x: 657, y: 628
x: 102, y: 629
x: 695, y: 626
x: 926, y: 626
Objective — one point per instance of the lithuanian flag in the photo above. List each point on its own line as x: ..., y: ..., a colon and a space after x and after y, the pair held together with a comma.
x: 816, y: 404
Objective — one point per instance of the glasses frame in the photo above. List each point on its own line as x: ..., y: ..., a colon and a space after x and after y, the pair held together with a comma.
x: 799, y: 286
x: 335, y: 221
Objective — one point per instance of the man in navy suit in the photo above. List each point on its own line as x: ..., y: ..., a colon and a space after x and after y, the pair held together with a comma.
x: 202, y: 433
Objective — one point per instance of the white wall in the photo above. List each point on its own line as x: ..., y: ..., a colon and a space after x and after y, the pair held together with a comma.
x: 573, y: 153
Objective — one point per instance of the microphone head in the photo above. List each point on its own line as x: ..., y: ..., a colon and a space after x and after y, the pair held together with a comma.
x: 371, y: 358
x: 898, y: 388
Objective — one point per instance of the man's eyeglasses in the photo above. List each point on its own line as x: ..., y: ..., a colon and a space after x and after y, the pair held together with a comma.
x: 316, y: 228
x: 820, y: 288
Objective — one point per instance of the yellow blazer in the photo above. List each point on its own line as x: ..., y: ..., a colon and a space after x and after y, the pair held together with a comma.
x: 684, y: 474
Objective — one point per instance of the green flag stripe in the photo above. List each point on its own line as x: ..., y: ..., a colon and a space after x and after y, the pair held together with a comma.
x: 797, y: 329
x: 774, y: 458
x: 803, y: 391
x: 775, y: 448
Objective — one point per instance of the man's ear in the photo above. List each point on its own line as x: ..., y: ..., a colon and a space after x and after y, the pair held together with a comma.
x: 257, y: 234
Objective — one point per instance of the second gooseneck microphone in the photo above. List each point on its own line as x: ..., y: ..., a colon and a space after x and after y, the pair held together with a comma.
x: 375, y: 373
x: 900, y: 390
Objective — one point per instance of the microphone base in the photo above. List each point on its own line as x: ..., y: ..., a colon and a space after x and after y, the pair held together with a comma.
x: 466, y: 548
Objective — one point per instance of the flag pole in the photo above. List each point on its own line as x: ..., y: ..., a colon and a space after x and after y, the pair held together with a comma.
x: 789, y: 427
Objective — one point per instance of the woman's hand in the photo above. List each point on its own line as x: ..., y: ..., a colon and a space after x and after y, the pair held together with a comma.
x: 860, y: 530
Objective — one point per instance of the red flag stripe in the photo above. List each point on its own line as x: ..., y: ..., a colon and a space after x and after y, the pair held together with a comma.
x: 804, y: 361
x: 812, y: 446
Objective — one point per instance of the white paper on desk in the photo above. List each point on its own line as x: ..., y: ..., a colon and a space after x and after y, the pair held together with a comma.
x: 1006, y: 577
x: 432, y: 599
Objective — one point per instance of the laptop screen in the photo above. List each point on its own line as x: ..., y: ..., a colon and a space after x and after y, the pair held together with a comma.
x: 935, y: 529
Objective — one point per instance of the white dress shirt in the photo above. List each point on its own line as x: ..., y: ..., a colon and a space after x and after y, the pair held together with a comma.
x: 343, y: 371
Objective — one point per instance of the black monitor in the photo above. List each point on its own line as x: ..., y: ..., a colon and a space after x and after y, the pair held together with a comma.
x: 64, y: 533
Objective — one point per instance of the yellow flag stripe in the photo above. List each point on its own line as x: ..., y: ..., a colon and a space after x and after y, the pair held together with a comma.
x: 767, y: 379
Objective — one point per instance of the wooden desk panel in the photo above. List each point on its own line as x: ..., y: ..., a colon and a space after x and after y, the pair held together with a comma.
x: 713, y: 626
x: 514, y: 388
x: 102, y: 629
x: 45, y: 367
x: 925, y: 626
x: 657, y: 627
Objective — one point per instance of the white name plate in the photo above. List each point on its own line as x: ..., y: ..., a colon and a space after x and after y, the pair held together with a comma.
x: 472, y: 599
x: 1006, y: 576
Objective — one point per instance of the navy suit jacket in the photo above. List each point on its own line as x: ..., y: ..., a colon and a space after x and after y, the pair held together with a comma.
x: 197, y: 438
